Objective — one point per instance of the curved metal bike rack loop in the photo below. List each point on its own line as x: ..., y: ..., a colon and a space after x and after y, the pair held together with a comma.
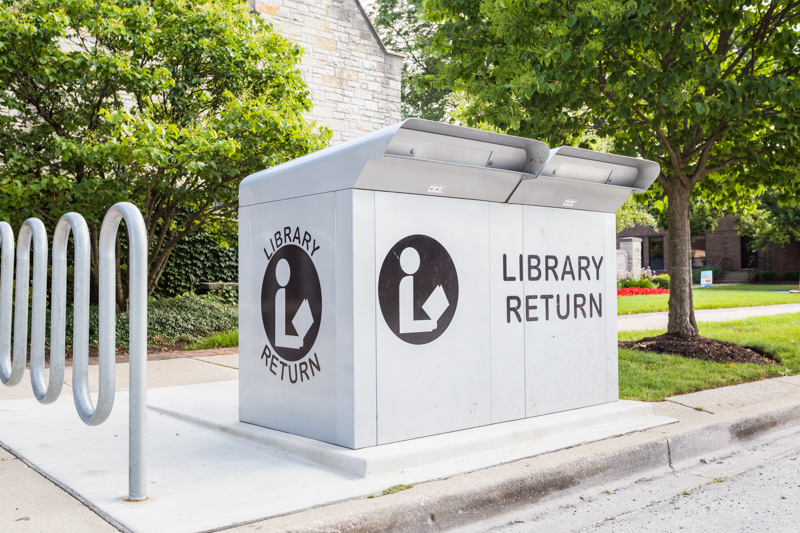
x: 12, y: 369
x: 33, y: 228
x: 137, y: 254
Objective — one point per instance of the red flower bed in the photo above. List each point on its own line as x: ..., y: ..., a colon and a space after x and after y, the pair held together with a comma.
x: 635, y: 291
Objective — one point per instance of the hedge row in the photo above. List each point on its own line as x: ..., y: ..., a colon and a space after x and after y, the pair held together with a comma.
x: 184, y: 318
x: 200, y: 257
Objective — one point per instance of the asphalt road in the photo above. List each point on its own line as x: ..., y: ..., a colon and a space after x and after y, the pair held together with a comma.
x: 756, y: 488
x: 763, y: 499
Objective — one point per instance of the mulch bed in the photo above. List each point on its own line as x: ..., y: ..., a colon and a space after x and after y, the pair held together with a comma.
x: 122, y: 352
x: 698, y: 348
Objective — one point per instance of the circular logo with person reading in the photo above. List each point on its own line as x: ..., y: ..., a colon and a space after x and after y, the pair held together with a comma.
x: 418, y: 289
x: 291, y: 302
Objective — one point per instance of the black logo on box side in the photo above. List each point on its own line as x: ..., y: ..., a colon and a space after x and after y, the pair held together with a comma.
x: 418, y: 289
x: 291, y: 302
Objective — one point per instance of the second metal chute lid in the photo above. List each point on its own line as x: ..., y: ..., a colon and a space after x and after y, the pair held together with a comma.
x: 582, y: 179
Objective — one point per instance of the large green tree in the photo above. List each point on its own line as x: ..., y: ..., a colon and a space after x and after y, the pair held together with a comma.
x: 165, y: 103
x: 402, y: 28
x: 707, y: 88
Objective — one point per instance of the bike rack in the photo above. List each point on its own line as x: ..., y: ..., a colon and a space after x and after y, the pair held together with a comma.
x: 13, y: 368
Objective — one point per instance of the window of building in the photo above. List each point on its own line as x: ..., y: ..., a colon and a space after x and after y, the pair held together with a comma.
x: 656, y: 253
x: 699, y: 251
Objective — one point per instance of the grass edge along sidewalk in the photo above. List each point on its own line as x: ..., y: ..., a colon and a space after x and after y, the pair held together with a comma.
x: 652, y: 377
x: 723, y: 296
x: 648, y: 376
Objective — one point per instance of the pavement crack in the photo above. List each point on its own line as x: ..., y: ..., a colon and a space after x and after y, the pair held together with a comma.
x: 702, y: 409
x: 669, y: 455
x: 792, y: 383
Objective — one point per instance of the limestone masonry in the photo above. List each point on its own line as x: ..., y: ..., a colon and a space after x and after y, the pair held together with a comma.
x: 353, y: 80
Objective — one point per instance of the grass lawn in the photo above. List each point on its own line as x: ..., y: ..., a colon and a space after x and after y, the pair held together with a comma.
x: 712, y: 298
x: 225, y: 339
x: 652, y: 377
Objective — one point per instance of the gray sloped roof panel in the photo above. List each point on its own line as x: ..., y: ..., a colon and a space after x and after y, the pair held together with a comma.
x: 407, y: 157
x: 432, y: 158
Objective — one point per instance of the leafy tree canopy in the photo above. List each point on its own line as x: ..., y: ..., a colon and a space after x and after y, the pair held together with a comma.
x: 703, y: 217
x: 774, y: 222
x: 708, y: 89
x: 402, y: 28
x: 165, y: 103
x: 632, y: 213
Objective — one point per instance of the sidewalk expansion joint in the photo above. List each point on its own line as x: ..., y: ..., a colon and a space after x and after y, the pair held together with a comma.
x: 702, y: 409
x: 200, y: 360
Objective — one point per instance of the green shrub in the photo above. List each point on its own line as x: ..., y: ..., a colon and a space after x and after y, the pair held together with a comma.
x: 643, y: 283
x: 791, y: 275
x: 638, y: 277
x: 184, y: 318
x: 767, y: 275
x: 662, y: 281
x: 197, y: 258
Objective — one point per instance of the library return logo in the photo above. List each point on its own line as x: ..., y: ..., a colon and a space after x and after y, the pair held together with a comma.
x: 418, y: 289
x: 291, y: 307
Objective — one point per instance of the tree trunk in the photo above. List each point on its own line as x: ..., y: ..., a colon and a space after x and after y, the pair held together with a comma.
x: 156, y: 269
x: 681, y: 309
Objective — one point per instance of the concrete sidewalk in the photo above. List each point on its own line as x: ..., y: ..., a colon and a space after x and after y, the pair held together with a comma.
x: 643, y: 321
x: 709, y: 421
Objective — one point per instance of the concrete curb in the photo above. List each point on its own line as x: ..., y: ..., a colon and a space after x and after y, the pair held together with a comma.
x: 445, y: 504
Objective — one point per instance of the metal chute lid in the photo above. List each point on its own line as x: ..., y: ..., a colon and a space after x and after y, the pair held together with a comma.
x: 446, y: 143
x: 585, y: 180
x: 578, y: 164
x: 413, y: 157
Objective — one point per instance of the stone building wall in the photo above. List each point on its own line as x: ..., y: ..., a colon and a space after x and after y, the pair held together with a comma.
x: 354, y: 81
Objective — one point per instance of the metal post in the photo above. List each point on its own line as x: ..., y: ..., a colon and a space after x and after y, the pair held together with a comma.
x: 10, y: 372
x: 137, y: 253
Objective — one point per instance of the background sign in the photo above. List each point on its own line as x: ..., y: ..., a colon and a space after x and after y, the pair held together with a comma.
x: 706, y: 278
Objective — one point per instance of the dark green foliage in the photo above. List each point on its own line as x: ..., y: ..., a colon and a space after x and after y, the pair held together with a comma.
x: 775, y: 221
x: 184, y: 318
x: 791, y: 275
x: 168, y: 104
x: 199, y: 257
x: 703, y: 217
x: 643, y: 283
x: 767, y: 275
x: 697, y: 271
x: 708, y: 89
x: 661, y: 282
x: 227, y: 295
x: 402, y: 29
